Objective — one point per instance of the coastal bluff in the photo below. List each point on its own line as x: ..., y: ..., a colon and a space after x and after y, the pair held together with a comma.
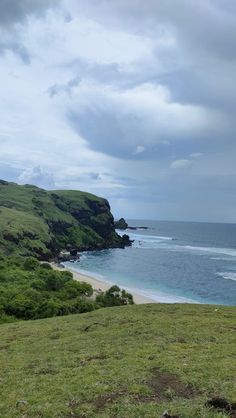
x: 38, y: 222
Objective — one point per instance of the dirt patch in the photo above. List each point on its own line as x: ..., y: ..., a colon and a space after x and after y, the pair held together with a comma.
x: 11, y: 338
x: 102, y: 401
x: 222, y: 405
x: 166, y: 385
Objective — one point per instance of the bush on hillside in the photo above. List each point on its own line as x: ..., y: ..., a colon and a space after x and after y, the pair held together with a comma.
x: 114, y: 297
x: 31, y: 290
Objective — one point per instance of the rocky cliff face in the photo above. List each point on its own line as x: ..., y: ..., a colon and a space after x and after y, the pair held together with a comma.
x: 37, y: 222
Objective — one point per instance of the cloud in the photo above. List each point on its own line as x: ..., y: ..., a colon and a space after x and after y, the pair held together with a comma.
x: 139, y: 149
x: 15, y: 11
x: 63, y: 88
x: 17, y: 49
x: 14, y: 14
x: 180, y: 164
x: 122, y: 99
x: 195, y: 155
x: 38, y: 177
x: 116, y: 121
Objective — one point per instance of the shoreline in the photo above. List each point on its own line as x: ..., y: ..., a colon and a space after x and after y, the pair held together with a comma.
x: 100, y: 285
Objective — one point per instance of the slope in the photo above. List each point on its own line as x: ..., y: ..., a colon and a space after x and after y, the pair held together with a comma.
x: 131, y: 362
x: 37, y: 222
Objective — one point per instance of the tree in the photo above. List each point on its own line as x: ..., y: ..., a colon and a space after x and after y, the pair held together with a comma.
x: 114, y: 297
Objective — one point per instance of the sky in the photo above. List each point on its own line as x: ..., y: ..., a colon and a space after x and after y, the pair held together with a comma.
x: 130, y: 100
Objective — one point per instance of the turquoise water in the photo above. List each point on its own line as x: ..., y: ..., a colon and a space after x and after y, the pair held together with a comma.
x: 172, y: 262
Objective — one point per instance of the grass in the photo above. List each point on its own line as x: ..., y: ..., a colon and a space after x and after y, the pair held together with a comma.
x: 40, y: 223
x: 131, y: 362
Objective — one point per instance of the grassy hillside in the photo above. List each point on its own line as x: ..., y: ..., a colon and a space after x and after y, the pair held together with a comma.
x: 131, y: 362
x: 37, y: 222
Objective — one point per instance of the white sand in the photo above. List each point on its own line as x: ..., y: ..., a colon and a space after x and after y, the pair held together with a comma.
x: 99, y: 285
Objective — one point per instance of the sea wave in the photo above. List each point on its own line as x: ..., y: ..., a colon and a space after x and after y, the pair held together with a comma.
x: 149, y: 237
x: 228, y: 275
x: 168, y: 243
x: 161, y: 297
x: 214, y: 250
x: 143, y: 237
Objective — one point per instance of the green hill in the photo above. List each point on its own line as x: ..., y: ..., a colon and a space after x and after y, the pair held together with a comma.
x: 135, y: 361
x: 37, y: 222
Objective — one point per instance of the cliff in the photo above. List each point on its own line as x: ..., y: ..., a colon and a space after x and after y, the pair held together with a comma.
x: 37, y: 222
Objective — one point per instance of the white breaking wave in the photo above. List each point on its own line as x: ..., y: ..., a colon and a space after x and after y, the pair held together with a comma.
x: 151, y: 238
x: 214, y: 250
x: 163, y: 242
x: 148, y: 241
x: 222, y: 258
x: 227, y: 275
x: 161, y: 297
x: 142, y: 237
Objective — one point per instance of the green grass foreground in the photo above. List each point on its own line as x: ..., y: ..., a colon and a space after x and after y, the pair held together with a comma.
x: 134, y: 361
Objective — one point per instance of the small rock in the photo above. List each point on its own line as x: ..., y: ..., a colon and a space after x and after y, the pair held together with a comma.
x: 21, y: 403
x: 167, y: 415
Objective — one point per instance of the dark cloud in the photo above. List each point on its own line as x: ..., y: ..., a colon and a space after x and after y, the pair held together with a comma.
x: 207, y: 24
x: 17, y: 49
x: 149, y: 83
x: 15, y: 11
x: 200, y: 67
x: 63, y: 88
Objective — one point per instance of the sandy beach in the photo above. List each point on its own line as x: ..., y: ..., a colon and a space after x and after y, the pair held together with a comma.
x: 99, y: 285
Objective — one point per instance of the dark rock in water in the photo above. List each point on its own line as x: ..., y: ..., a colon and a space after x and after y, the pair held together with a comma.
x: 222, y: 404
x: 126, y: 240
x: 70, y: 255
x: 121, y: 224
x: 74, y: 252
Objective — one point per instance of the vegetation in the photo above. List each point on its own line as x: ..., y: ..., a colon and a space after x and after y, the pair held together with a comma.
x: 40, y: 223
x: 30, y: 290
x: 131, y: 362
x: 114, y: 297
x: 134, y: 362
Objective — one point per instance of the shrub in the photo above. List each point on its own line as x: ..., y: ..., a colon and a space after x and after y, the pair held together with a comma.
x: 31, y: 263
x: 45, y: 266
x: 114, y: 297
x: 30, y: 290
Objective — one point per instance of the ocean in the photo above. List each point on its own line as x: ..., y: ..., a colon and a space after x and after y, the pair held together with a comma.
x: 171, y: 262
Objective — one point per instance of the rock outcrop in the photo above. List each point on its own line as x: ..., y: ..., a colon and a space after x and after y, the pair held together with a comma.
x: 37, y: 222
x: 121, y: 224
